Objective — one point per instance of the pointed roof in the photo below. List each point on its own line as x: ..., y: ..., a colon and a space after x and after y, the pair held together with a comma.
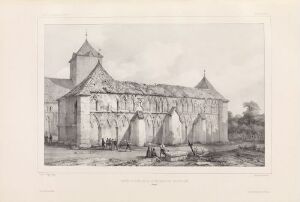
x: 205, y: 85
x: 97, y: 78
x: 87, y: 50
x: 99, y: 81
x: 55, y: 88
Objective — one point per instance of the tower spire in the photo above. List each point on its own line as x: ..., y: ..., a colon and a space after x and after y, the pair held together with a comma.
x: 204, y: 73
x: 86, y: 35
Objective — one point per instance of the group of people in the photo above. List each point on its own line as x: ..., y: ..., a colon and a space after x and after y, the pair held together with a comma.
x: 48, y: 140
x: 112, y: 144
x: 109, y: 143
x: 151, y: 152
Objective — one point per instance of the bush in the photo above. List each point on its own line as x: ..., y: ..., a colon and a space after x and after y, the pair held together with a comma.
x: 249, y: 127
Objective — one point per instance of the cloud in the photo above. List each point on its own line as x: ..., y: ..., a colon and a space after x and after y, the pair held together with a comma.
x: 150, y: 66
x: 232, y: 54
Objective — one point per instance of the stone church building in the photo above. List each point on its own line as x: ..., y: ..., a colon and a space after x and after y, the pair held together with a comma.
x: 92, y: 105
x: 81, y: 64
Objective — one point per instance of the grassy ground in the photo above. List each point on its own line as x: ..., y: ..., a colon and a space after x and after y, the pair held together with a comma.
x: 234, y: 154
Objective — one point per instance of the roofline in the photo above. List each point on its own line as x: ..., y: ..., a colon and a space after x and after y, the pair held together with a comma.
x: 65, y: 97
x: 79, y: 92
x: 156, y: 95
x: 51, y: 102
x: 75, y: 55
x: 46, y: 77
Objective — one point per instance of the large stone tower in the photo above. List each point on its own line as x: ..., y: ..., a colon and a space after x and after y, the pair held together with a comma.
x: 83, y: 62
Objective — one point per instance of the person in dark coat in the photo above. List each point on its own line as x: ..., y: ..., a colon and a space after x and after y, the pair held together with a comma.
x: 103, y: 143
x: 153, y: 153
x: 162, y: 150
x: 148, y: 153
x: 106, y: 144
x: 127, y: 145
x: 116, y: 144
x: 111, y: 143
x: 50, y: 139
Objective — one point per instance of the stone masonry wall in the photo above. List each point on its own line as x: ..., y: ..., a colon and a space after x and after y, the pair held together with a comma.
x: 81, y: 66
x: 51, y: 120
x: 67, y: 121
x: 114, y: 116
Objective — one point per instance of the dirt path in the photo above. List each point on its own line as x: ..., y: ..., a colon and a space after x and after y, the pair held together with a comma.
x: 219, y: 155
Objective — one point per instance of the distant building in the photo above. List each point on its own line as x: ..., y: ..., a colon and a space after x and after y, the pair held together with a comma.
x: 93, y: 105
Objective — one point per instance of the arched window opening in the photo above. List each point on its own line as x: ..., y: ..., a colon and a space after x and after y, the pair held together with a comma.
x: 96, y: 105
x: 125, y: 103
x: 133, y: 106
x: 117, y: 105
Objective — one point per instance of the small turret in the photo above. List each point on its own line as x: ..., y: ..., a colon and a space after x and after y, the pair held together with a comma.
x: 204, y: 84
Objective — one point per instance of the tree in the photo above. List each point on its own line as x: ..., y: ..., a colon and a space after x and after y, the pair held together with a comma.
x: 251, y: 108
x: 233, y: 125
x: 250, y: 125
x: 251, y: 112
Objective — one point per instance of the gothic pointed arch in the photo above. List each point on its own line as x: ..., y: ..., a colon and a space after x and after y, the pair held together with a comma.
x: 168, y: 105
x: 179, y: 106
x: 184, y: 105
x: 153, y: 105
x: 158, y: 104
x: 123, y: 121
x: 146, y: 104
x: 117, y: 104
x: 164, y: 105
x: 120, y: 103
x: 94, y: 122
x: 158, y: 121
x: 190, y: 106
x: 149, y: 120
x: 129, y: 103
x: 112, y: 121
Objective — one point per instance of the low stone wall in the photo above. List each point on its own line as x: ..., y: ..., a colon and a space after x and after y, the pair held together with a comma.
x: 176, y: 155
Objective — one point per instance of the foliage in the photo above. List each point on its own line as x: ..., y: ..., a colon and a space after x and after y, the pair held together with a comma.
x: 250, y: 126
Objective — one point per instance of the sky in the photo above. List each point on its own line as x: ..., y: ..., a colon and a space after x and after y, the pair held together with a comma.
x: 231, y: 54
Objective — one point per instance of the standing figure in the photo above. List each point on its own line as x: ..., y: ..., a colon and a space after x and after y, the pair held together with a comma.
x: 162, y: 150
x: 103, y: 143
x: 148, y: 153
x: 116, y: 144
x: 110, y: 143
x: 127, y: 145
x: 106, y: 143
x: 50, y: 139
x: 153, y: 153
